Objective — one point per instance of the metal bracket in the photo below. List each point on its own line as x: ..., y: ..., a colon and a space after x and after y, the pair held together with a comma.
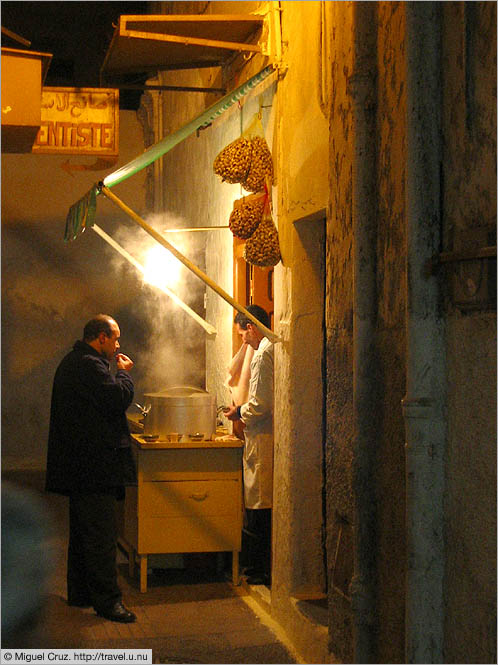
x: 471, y: 269
x: 273, y: 46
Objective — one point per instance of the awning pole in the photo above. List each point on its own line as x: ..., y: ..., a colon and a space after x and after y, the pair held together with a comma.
x: 188, y: 264
x: 199, y: 228
x: 211, y: 330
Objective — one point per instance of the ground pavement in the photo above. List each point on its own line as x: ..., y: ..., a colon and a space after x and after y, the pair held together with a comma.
x: 193, y: 615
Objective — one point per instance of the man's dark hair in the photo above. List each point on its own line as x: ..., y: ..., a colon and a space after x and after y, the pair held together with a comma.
x: 100, y: 323
x: 258, y: 313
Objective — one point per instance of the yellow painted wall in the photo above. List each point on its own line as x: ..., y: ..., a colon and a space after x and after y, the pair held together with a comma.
x: 302, y: 201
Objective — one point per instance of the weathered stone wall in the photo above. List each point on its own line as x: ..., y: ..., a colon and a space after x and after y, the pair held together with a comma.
x: 469, y: 204
x: 339, y: 318
x: 391, y: 339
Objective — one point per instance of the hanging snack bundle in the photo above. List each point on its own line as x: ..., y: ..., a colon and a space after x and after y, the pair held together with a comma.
x: 248, y: 161
x: 260, y: 167
x: 262, y: 249
x: 233, y: 162
x: 246, y: 215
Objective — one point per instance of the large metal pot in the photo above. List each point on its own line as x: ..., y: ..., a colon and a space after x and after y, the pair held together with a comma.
x: 185, y: 410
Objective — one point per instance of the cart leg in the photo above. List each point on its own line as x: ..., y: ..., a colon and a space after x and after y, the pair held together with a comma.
x: 128, y: 549
x: 143, y: 573
x: 235, y: 567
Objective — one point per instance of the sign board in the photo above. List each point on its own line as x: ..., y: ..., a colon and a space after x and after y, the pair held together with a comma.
x: 79, y: 121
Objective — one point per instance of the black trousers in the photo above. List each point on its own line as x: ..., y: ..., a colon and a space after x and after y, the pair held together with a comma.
x: 256, y: 540
x: 91, y: 560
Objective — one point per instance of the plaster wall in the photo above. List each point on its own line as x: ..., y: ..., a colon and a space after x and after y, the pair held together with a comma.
x: 51, y: 288
x: 339, y: 318
x: 469, y: 125
x: 302, y: 185
x: 468, y: 203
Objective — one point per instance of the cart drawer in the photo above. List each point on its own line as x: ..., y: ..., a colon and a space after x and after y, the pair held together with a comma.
x: 190, y: 499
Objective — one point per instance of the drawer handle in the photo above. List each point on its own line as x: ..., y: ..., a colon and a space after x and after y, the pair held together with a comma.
x: 199, y: 497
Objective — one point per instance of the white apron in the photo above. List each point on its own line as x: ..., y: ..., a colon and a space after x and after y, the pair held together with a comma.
x: 257, y: 415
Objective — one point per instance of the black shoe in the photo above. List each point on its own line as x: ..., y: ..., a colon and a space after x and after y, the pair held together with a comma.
x: 118, y: 612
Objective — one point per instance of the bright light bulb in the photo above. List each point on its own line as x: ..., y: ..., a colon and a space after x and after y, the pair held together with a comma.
x: 161, y: 267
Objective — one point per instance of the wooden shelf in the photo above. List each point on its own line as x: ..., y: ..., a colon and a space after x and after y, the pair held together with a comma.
x: 147, y: 43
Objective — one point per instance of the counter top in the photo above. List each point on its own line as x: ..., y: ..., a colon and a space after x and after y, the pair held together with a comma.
x: 219, y: 441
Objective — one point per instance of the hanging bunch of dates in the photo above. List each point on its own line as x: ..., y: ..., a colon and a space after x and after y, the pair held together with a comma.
x: 249, y: 163
x: 246, y: 215
x: 233, y: 162
x: 262, y: 248
x: 260, y: 168
x: 245, y: 161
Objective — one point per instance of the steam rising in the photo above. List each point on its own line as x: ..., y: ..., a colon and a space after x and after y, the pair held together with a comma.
x: 162, y: 268
x: 170, y: 349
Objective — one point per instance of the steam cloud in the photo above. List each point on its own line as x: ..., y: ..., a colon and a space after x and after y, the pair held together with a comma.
x: 171, y: 347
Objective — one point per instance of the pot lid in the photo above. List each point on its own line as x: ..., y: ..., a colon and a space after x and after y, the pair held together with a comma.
x: 182, y: 392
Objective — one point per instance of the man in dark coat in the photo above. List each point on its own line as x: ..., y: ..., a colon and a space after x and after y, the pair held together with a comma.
x: 90, y: 460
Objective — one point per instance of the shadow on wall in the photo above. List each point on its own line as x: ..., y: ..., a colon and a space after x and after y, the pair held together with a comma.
x: 50, y: 289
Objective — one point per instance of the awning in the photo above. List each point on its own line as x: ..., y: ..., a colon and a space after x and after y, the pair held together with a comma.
x: 147, y: 43
x: 168, y: 142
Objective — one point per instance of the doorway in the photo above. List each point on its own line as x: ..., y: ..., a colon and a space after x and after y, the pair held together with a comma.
x: 309, y: 577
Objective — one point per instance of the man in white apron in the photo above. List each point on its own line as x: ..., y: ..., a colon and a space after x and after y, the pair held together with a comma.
x: 256, y: 416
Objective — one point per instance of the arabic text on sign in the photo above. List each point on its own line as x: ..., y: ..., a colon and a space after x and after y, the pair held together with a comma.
x: 75, y: 104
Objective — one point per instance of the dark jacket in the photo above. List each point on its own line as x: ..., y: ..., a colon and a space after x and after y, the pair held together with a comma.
x: 89, y: 444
